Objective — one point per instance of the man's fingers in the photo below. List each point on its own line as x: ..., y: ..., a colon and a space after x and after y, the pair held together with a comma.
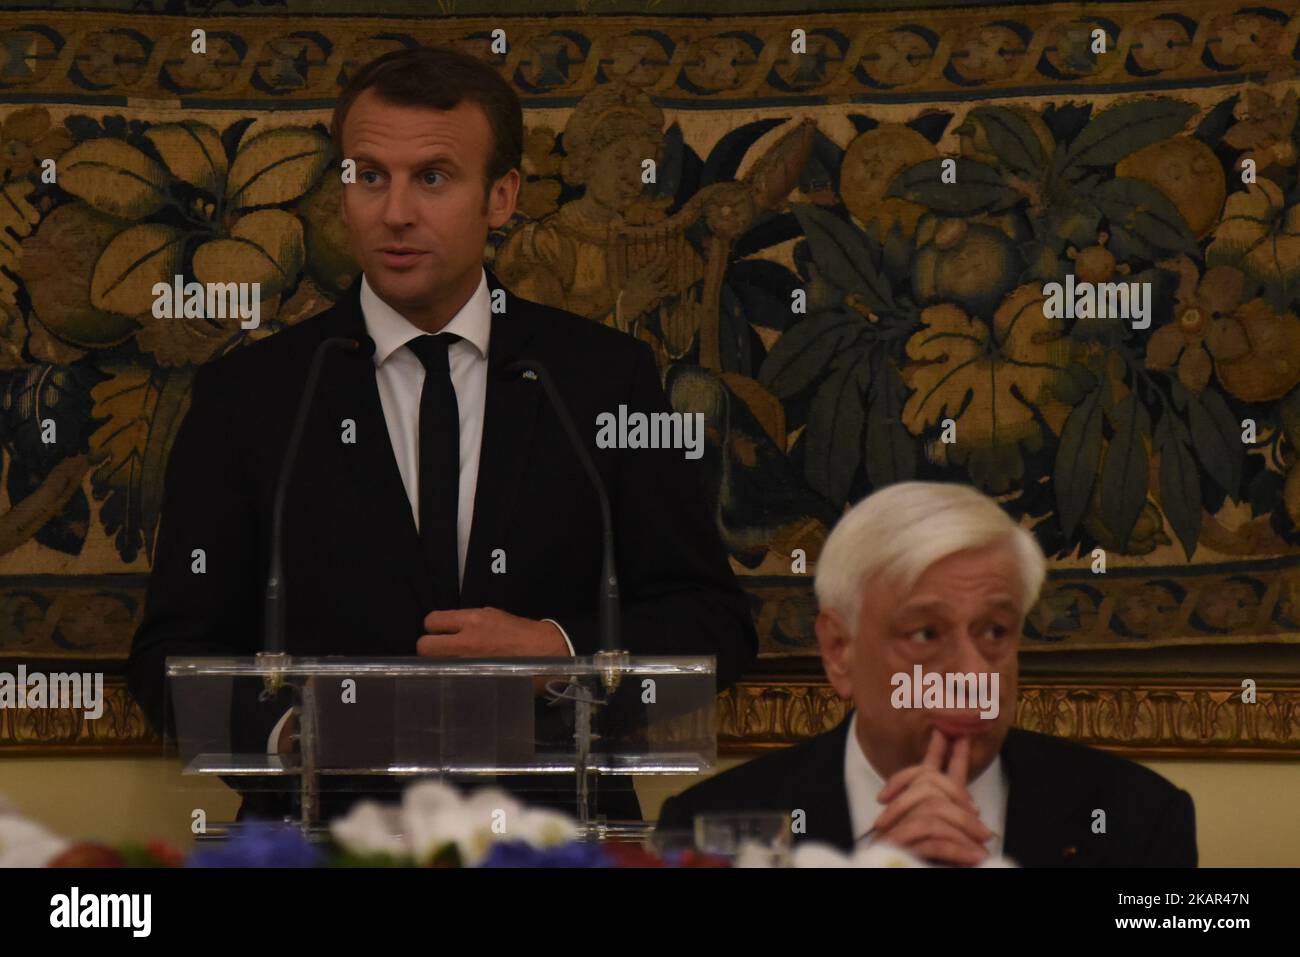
x: 910, y: 798
x: 932, y: 793
x: 934, y: 753
x: 965, y: 821
x: 444, y: 646
x: 936, y: 839
x: 444, y: 622
x: 949, y: 852
x: 959, y: 761
x: 451, y: 620
x: 933, y: 760
x: 908, y: 777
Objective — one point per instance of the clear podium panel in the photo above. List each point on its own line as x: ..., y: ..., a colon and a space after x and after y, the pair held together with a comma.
x: 257, y: 721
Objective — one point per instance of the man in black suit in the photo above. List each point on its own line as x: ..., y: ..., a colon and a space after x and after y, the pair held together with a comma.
x: 437, y: 507
x: 924, y: 579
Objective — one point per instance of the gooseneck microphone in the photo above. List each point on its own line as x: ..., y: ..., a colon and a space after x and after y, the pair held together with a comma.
x: 273, y: 634
x: 607, y: 602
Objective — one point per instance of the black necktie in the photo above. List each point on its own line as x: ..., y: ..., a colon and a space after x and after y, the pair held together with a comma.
x: 439, y: 466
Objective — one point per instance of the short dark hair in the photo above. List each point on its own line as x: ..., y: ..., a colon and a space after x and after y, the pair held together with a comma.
x: 440, y: 77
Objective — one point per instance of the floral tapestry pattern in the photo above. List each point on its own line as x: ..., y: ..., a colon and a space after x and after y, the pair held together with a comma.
x: 804, y: 267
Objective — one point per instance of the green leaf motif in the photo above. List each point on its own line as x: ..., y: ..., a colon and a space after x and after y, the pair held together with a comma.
x: 125, y: 405
x: 277, y: 166
x: 193, y: 152
x: 264, y: 247
x: 842, y: 256
x: 1142, y: 219
x: 1075, y: 385
x: 172, y: 403
x: 114, y: 177
x: 1125, y: 471
x: 804, y: 352
x: 1077, y: 456
x: 1012, y: 138
x: 19, y: 216
x: 1180, y: 485
x: 891, y: 450
x: 1178, y: 393
x: 833, y: 439
x: 1289, y: 408
x: 979, y: 188
x: 136, y: 259
x: 1216, y: 436
x: 1124, y: 129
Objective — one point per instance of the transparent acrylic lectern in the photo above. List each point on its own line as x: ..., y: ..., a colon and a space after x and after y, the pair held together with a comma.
x: 359, y: 720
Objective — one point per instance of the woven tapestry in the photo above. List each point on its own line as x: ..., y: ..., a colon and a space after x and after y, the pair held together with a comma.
x: 1049, y: 250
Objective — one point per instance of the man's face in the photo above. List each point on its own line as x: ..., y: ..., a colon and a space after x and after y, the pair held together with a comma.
x: 420, y: 183
x: 962, y: 615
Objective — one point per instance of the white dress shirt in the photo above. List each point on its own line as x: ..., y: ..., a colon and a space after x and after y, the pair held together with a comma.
x: 399, y: 376
x: 863, y: 783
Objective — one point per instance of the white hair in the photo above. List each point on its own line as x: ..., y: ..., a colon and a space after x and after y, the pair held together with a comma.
x: 899, y: 531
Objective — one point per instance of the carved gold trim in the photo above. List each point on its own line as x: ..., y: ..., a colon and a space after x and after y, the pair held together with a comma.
x: 1185, y: 718
x: 122, y: 729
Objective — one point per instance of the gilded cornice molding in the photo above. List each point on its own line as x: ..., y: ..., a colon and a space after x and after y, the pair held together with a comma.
x: 1189, y: 718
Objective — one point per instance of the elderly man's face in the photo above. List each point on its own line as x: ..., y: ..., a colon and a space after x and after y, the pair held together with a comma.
x: 962, y: 615
x: 420, y: 185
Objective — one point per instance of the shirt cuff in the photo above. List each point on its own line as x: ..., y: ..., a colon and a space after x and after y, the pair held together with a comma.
x: 565, y: 634
x: 274, y: 737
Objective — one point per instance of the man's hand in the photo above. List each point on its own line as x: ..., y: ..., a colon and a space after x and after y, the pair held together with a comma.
x: 930, y: 812
x: 488, y: 633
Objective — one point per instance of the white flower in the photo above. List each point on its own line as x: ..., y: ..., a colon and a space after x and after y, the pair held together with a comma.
x: 428, y: 797
x: 434, y: 816
x: 543, y: 828
x: 468, y: 829
x: 430, y: 819
x: 884, y: 854
x: 25, y: 843
x: 879, y: 854
x: 757, y: 854
x: 369, y: 828
x: 494, y: 801
x: 816, y: 854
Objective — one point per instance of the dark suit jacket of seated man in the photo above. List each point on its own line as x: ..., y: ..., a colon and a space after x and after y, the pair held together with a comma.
x: 933, y: 580
x: 354, y: 570
x: 1054, y: 787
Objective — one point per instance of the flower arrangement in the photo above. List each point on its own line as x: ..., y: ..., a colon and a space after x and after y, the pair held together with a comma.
x: 434, y: 826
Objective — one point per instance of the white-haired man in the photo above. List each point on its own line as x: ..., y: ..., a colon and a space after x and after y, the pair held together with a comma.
x: 922, y: 590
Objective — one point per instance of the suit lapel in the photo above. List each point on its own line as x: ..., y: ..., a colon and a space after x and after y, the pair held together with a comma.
x: 1038, y: 800
x: 509, y: 421
x: 348, y: 391
x: 827, y: 805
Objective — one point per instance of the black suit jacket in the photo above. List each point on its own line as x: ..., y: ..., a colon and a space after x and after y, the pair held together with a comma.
x: 355, y: 583
x: 1054, y: 787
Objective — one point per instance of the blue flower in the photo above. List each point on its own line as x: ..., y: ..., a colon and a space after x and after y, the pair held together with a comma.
x: 522, y: 854
x: 259, y: 844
